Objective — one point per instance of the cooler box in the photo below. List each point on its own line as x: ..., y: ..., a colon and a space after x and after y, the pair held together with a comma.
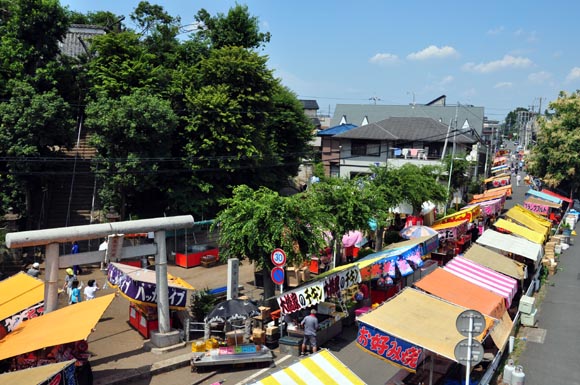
x: 290, y: 345
x: 529, y: 319
x: 527, y: 304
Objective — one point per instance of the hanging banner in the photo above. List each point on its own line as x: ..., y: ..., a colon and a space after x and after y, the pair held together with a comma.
x: 139, y: 285
x: 451, y: 231
x: 395, y: 350
x: 537, y: 208
x: 342, y: 280
x: 469, y: 214
x: 301, y: 298
x: 8, y: 324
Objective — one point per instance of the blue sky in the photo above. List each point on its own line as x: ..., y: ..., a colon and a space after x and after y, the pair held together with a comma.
x: 497, y: 54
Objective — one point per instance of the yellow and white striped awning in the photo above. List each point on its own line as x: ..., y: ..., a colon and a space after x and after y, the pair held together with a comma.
x: 321, y: 368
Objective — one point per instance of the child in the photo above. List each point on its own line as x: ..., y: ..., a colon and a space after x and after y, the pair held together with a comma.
x: 75, y: 293
x: 91, y: 289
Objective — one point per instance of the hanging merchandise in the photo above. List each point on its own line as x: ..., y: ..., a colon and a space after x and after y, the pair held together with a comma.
x: 415, y: 258
x: 389, y: 269
x: 404, y: 267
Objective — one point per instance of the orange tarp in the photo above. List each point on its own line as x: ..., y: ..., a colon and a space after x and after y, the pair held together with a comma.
x: 507, y: 189
x: 69, y: 324
x: 454, y: 289
x: 19, y: 292
x: 487, y: 197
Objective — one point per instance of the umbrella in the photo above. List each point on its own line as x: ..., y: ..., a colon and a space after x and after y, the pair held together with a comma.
x: 232, y: 309
x: 352, y: 238
x: 412, y: 232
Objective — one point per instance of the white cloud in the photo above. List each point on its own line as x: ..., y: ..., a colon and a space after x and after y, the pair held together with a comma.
x: 519, y: 32
x: 433, y: 52
x: 574, y: 74
x: 495, y: 31
x: 539, y: 77
x: 503, y: 85
x: 384, y: 58
x: 446, y: 80
x: 507, y: 61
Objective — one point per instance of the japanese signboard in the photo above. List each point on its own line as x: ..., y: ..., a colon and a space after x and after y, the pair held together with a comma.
x: 468, y: 214
x: 537, y: 208
x: 397, y: 351
x: 8, y: 324
x: 143, y: 291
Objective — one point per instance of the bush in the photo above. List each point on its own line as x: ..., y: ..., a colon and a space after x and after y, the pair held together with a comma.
x: 202, y: 302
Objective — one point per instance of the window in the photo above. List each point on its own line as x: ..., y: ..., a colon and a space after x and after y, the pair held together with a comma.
x: 365, y: 148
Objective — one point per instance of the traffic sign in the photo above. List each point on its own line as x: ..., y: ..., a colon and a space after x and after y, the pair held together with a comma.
x: 477, y: 326
x: 277, y: 275
x: 278, y: 257
x: 462, y: 352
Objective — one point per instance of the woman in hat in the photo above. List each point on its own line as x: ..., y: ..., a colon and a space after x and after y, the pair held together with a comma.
x: 34, y: 271
x: 68, y: 280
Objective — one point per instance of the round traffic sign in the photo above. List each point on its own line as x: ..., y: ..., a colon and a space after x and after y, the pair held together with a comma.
x: 277, y: 275
x: 278, y: 257
x: 463, y: 321
x: 462, y: 348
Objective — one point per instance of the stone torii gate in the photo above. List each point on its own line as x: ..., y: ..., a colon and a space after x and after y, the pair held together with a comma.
x: 50, y: 238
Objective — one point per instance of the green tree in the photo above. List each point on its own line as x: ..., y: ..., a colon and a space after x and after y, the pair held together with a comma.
x: 133, y: 138
x: 255, y: 222
x: 555, y: 157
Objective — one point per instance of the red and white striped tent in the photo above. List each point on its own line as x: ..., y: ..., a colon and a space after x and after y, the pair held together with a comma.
x: 484, y: 277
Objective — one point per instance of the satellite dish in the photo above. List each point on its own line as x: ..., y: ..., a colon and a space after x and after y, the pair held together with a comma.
x: 469, y: 158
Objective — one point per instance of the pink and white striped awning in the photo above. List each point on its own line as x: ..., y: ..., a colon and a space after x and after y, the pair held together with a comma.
x: 484, y: 277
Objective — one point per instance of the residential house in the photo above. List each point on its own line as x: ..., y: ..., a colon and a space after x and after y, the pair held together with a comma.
x: 349, y: 150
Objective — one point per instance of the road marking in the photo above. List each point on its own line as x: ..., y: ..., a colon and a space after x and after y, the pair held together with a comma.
x: 259, y: 373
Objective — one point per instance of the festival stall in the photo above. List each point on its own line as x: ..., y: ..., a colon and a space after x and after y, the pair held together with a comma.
x: 328, y: 295
x: 512, y: 244
x: 489, y: 208
x: 459, y: 291
x: 500, y: 169
x: 487, y: 195
x: 469, y: 214
x: 61, y: 373
x: 507, y: 189
x: 453, y: 236
x: 548, y: 209
x: 495, y: 261
x: 22, y: 299
x: 31, y: 344
x: 544, y: 196
x: 502, y: 180
x: 140, y: 288
x: 411, y: 325
x: 522, y: 231
x: 484, y: 277
x: 556, y: 195
x: 528, y: 218
x: 321, y: 368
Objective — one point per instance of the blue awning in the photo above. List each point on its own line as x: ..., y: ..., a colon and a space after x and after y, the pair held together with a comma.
x: 544, y: 196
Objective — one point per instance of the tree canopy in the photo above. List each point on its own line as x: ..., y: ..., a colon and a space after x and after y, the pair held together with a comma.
x: 555, y: 157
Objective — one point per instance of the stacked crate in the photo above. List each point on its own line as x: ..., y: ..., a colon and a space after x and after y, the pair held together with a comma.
x: 528, y: 311
x: 550, y: 260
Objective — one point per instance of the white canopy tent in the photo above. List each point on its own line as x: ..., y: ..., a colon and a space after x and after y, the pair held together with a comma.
x: 511, y: 244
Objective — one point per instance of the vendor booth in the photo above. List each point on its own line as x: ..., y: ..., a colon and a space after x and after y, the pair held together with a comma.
x: 511, y: 244
x: 529, y: 219
x: 544, y: 196
x: 321, y: 368
x: 548, y: 209
x: 459, y: 291
x: 495, y: 261
x: 139, y: 287
x: 411, y: 325
x: 492, y: 191
x: 22, y: 299
x: 61, y: 373
x: 522, y: 231
x: 469, y: 214
x: 484, y: 277
x: 489, y: 208
x: 55, y: 337
x: 564, y: 199
x: 502, y: 180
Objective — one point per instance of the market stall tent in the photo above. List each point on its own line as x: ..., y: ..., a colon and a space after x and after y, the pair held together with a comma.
x: 320, y: 368
x: 540, y: 206
x: 484, y: 277
x: 555, y: 195
x: 41, y: 375
x: 529, y: 219
x: 413, y: 322
x: 19, y: 293
x: 522, y: 231
x: 69, y: 324
x: 457, y: 290
x: 544, y: 196
x: 511, y: 244
x: 489, y: 258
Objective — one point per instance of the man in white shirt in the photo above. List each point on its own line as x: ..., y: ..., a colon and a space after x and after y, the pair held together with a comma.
x: 91, y: 289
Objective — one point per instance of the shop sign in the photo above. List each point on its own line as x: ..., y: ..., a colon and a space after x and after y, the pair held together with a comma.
x: 9, y: 323
x: 536, y: 208
x: 64, y: 377
x: 431, y: 245
x: 342, y: 280
x: 397, y: 351
x: 469, y: 215
x: 144, y: 292
x: 301, y: 298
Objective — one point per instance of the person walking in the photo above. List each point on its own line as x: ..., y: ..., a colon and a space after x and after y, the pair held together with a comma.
x: 34, y: 271
x: 90, y: 290
x: 68, y: 280
x: 310, y: 325
x: 75, y: 293
x: 75, y: 250
x: 518, y: 179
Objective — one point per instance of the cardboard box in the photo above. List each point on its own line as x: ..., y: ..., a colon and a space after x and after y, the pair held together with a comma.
x: 293, y: 276
x: 258, y: 333
x: 235, y: 337
x: 305, y: 274
x: 264, y: 312
x: 271, y: 330
x: 527, y: 304
x: 259, y: 340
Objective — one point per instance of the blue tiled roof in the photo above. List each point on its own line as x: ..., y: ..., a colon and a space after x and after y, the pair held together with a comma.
x: 336, y: 130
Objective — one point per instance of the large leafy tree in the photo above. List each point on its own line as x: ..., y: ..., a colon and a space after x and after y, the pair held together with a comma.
x: 555, y: 157
x: 255, y: 222
x: 133, y: 139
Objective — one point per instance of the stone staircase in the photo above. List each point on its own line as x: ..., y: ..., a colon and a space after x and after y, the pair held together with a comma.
x: 70, y: 195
